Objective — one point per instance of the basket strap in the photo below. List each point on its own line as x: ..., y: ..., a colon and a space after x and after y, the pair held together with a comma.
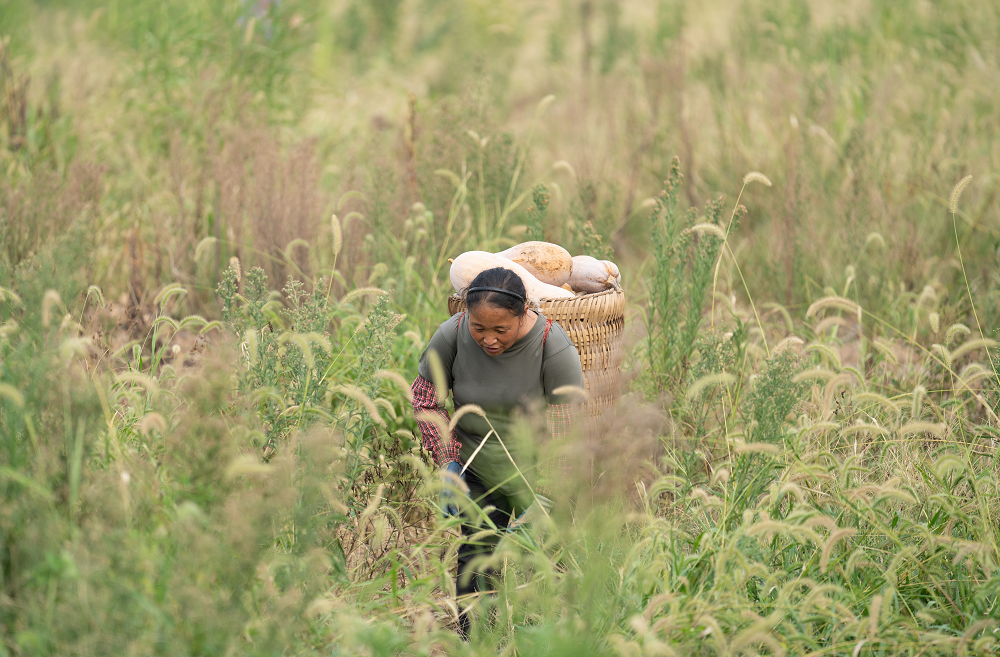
x: 541, y: 365
x: 545, y: 336
x: 460, y: 318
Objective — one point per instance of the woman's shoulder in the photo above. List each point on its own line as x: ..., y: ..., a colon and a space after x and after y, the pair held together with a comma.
x: 557, y: 339
x: 560, y: 362
x: 452, y: 322
x: 447, y: 332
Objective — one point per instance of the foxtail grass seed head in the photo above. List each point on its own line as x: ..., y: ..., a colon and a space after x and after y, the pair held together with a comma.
x: 956, y: 193
x: 10, y: 296
x: 710, y: 229
x: 152, y: 422
x: 338, y: 238
x: 934, y: 428
x: 397, y: 378
x: 875, y: 238
x: 93, y: 290
x: 721, y: 379
x: 234, y: 262
x: 363, y: 400
x: 791, y: 342
x: 580, y: 393
x: 465, y: 410
x: 203, y: 247
x: 834, y: 301
x: 758, y: 177
x: 835, y: 536
x: 12, y: 394
x: 563, y: 165
x: 954, y: 331
x: 935, y: 323
x: 942, y: 353
x: 916, y: 407
x: 50, y: 299
x: 544, y: 105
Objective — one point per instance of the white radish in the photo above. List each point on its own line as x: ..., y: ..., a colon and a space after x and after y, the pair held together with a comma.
x: 592, y: 275
x: 471, y: 263
x: 549, y: 263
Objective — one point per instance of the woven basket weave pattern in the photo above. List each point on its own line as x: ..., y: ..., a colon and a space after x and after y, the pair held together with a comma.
x: 595, y: 323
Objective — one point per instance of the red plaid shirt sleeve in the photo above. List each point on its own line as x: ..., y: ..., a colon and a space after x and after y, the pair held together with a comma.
x: 425, y: 402
x: 560, y: 423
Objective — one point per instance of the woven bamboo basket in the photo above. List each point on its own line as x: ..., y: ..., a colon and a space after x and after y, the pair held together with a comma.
x: 595, y: 323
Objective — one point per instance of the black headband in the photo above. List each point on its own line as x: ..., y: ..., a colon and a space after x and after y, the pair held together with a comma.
x: 496, y: 289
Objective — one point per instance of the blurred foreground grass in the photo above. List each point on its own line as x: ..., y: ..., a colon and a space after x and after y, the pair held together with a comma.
x: 205, y: 440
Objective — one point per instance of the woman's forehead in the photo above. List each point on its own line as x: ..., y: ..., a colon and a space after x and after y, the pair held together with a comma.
x: 488, y: 315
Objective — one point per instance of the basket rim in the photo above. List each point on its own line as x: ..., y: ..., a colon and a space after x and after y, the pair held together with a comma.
x: 581, y: 297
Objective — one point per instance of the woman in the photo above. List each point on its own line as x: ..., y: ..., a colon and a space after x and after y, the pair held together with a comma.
x: 505, y: 358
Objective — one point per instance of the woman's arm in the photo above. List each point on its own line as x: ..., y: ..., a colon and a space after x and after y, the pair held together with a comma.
x: 425, y: 402
x: 428, y: 412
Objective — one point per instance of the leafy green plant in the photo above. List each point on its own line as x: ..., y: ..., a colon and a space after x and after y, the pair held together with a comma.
x: 685, y: 252
x: 536, y: 213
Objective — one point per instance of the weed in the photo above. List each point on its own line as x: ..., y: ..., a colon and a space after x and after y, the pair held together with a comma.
x: 684, y: 252
x: 536, y: 213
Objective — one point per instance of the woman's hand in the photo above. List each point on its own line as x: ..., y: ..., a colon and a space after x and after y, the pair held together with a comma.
x: 452, y: 477
x: 540, y: 507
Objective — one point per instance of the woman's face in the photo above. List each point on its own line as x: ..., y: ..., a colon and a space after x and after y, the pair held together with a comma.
x: 494, y: 329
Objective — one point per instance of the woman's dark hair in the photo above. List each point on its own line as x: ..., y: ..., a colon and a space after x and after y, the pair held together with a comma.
x: 513, y: 299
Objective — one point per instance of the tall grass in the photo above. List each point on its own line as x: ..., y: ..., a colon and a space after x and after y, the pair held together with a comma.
x: 206, y: 444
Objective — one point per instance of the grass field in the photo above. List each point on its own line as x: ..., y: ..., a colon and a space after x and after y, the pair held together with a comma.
x: 225, y: 228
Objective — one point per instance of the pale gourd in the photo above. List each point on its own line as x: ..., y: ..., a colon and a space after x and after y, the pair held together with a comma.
x: 549, y: 263
x: 591, y: 275
x: 613, y: 270
x: 471, y: 263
